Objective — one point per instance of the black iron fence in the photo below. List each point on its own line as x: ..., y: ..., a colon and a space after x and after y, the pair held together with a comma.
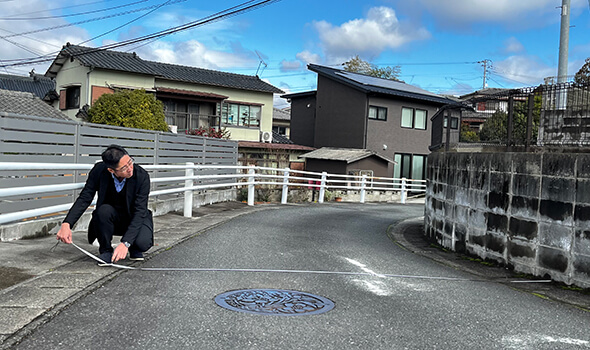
x: 517, y: 119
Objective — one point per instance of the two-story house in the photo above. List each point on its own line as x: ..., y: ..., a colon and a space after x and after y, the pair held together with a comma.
x: 351, y: 110
x: 192, y: 97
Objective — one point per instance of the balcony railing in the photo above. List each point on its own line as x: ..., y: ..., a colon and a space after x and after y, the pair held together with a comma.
x: 189, y: 121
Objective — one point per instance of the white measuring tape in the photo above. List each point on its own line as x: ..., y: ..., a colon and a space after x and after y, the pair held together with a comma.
x: 344, y: 273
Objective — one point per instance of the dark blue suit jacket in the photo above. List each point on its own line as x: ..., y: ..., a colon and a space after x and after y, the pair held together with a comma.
x: 138, y: 190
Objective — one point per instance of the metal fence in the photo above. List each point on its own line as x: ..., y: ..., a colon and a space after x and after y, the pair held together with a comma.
x: 518, y: 119
x: 196, y: 178
x: 27, y: 139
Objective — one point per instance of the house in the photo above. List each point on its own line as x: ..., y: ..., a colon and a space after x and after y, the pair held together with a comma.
x: 192, y: 97
x: 351, y: 110
x: 485, y: 103
x: 37, y: 84
x: 281, y: 122
x: 347, y: 161
x: 27, y: 104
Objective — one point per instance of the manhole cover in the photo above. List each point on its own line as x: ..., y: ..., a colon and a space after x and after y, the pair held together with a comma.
x: 274, y: 302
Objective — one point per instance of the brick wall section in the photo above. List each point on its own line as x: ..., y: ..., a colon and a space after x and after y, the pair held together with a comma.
x: 527, y: 211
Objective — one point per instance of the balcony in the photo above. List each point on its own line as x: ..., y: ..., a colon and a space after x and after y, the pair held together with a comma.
x: 189, y: 121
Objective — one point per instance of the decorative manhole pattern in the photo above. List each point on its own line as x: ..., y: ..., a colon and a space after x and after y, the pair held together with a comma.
x: 274, y: 302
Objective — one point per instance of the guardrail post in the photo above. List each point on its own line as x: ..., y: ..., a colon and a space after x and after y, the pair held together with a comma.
x: 188, y: 194
x: 404, y: 193
x: 251, y: 186
x: 323, y: 187
x: 363, y: 185
x: 285, y: 186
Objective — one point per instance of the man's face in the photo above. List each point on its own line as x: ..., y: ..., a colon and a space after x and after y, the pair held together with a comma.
x: 124, y: 169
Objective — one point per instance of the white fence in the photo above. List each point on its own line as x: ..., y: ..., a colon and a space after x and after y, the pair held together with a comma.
x: 197, y: 178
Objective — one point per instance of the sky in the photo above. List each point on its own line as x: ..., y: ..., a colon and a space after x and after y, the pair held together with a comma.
x: 439, y: 45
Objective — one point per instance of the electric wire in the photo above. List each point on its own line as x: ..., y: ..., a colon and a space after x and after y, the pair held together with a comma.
x: 221, y: 15
x: 90, y: 20
x: 69, y: 15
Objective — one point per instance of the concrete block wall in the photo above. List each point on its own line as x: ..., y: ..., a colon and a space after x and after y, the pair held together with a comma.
x: 529, y: 211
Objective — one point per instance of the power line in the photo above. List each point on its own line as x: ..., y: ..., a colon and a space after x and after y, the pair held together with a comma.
x: 124, y: 24
x: 61, y: 8
x: 70, y: 15
x: 221, y: 15
x: 90, y: 20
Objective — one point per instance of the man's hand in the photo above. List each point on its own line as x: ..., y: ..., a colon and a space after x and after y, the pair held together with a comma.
x: 65, y: 233
x: 120, y: 252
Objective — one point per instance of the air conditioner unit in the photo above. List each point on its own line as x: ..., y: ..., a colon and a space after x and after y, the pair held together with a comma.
x: 266, y: 136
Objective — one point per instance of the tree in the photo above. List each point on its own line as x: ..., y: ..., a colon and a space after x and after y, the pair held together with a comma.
x: 496, y: 127
x: 358, y: 65
x: 583, y: 75
x: 130, y: 109
x: 467, y: 135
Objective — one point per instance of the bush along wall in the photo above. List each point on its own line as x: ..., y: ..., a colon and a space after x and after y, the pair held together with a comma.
x: 527, y: 211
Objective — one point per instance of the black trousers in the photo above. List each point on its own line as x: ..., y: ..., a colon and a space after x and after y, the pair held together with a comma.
x: 107, y: 222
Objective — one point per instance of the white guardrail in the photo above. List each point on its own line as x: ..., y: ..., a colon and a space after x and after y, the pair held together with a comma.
x: 250, y: 176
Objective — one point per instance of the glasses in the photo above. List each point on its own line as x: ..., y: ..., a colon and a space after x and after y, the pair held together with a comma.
x: 125, y: 167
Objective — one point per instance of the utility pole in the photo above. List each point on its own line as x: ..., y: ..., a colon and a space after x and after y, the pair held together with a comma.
x: 485, y: 64
x: 563, y: 42
x: 564, y: 36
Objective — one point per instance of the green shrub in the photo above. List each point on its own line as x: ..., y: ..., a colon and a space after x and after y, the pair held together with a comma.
x: 131, y: 109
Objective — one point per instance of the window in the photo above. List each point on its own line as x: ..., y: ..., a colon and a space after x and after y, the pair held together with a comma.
x: 414, y: 118
x: 69, y: 98
x: 410, y: 166
x: 281, y: 130
x: 240, y: 114
x: 454, y: 122
x: 378, y: 113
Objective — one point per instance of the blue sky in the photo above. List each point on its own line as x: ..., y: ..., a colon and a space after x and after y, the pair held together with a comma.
x: 437, y: 43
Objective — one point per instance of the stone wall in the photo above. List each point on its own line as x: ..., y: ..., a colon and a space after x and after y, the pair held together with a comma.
x: 529, y: 211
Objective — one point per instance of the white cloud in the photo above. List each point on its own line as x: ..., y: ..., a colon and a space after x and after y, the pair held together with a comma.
x: 193, y: 53
x: 511, y: 13
x: 512, y: 45
x: 290, y: 66
x: 33, y: 44
x: 523, y: 69
x: 307, y: 57
x: 379, y: 31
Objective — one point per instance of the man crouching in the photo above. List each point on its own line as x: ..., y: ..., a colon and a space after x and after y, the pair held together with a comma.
x: 121, y: 209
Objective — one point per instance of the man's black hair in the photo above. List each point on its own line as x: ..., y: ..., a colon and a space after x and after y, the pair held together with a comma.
x: 112, y: 155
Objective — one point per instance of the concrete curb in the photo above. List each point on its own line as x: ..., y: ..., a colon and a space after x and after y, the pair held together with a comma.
x: 409, y: 234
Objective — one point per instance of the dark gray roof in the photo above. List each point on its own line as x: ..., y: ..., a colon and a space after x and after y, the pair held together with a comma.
x: 130, y: 62
x: 278, y: 138
x: 348, y: 155
x: 37, y: 84
x: 381, y: 86
x: 25, y: 103
x: 484, y: 92
x: 280, y: 114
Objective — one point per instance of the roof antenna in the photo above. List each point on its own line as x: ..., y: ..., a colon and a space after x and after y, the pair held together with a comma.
x: 260, y: 63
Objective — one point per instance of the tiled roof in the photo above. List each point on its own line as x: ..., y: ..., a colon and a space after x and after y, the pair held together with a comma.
x: 37, y: 85
x: 265, y: 145
x: 348, y: 155
x: 279, y: 114
x: 26, y: 103
x: 370, y: 84
x: 130, y: 62
x: 278, y: 138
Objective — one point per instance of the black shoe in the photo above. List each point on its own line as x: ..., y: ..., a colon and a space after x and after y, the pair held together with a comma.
x: 135, y: 255
x: 106, y: 257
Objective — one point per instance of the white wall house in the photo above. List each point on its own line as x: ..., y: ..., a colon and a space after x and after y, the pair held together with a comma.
x: 192, y: 97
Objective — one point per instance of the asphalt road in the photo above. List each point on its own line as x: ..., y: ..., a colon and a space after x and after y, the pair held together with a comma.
x: 176, y: 309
